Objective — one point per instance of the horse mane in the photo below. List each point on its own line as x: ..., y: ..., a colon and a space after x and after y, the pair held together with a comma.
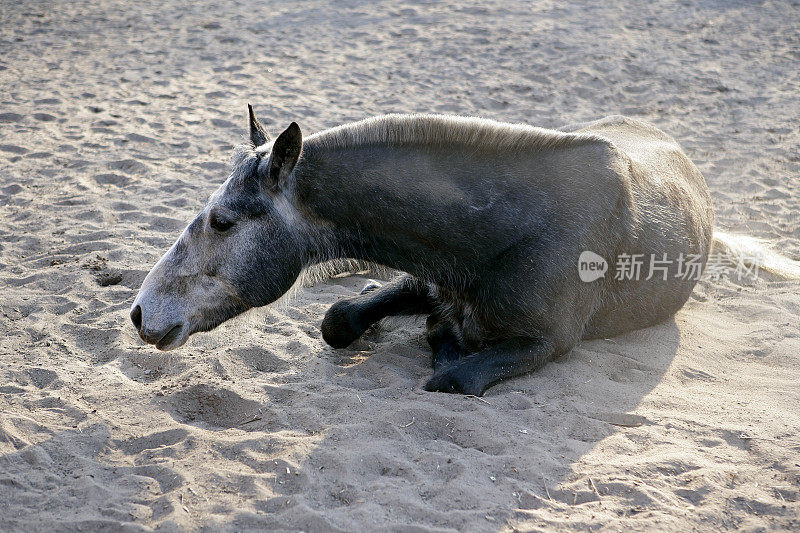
x: 447, y: 130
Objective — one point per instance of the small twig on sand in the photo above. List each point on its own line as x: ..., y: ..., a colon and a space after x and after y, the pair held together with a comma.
x: 635, y: 425
x: 545, y: 489
x: 477, y: 398
x: 745, y: 436
x: 591, y: 483
x: 407, y: 425
x: 254, y: 419
x: 618, y: 424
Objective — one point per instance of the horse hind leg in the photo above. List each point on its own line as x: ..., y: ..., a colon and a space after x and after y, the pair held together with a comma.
x: 474, y: 373
x: 444, y: 342
x: 348, y: 319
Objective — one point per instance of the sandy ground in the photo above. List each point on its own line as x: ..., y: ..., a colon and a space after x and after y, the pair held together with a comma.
x: 116, y: 122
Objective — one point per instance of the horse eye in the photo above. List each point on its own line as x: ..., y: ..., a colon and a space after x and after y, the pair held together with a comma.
x: 219, y: 223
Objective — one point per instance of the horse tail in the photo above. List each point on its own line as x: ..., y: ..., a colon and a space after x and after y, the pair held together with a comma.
x: 753, y: 252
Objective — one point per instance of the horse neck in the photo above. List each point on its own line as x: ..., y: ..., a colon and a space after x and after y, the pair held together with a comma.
x: 359, y: 199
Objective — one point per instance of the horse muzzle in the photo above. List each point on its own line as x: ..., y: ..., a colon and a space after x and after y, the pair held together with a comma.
x: 165, y: 334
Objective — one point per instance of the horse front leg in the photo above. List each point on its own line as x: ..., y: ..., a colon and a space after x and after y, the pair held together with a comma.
x: 348, y: 319
x: 474, y: 373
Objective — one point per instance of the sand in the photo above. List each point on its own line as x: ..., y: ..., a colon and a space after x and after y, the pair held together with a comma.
x: 117, y: 121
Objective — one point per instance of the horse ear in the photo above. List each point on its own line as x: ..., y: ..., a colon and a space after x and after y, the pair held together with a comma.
x: 258, y: 135
x: 285, y: 153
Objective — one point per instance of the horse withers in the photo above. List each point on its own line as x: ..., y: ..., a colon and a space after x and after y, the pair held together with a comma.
x: 492, y: 224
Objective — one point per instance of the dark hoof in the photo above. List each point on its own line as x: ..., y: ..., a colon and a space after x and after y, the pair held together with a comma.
x: 338, y: 327
x: 371, y: 286
x: 452, y: 379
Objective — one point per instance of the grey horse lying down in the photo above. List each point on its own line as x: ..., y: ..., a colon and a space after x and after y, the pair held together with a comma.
x: 492, y: 223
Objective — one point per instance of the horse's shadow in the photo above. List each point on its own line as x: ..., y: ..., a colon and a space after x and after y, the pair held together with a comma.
x: 389, y: 455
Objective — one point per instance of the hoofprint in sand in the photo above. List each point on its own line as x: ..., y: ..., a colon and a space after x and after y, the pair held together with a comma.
x: 117, y: 122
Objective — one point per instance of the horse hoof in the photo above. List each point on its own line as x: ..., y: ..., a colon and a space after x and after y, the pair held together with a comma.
x: 453, y: 381
x: 337, y: 327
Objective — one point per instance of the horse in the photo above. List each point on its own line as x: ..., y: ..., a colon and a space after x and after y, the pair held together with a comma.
x: 506, y: 235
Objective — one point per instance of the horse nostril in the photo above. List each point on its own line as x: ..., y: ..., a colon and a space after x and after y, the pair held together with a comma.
x: 136, y: 317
